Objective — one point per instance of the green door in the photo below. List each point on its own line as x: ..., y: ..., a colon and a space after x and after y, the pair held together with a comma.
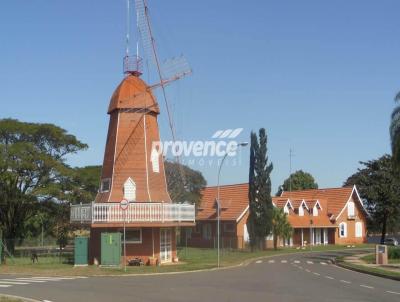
x: 110, y: 248
x: 81, y: 250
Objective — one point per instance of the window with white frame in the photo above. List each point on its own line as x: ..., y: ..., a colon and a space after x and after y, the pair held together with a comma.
x: 343, y: 230
x: 315, y: 211
x: 105, y: 185
x: 286, y: 209
x: 350, y: 209
x: 359, y: 229
x: 301, y: 210
x: 133, y: 235
x: 130, y: 190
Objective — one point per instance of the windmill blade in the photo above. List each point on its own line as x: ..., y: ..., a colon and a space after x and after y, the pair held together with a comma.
x: 177, y: 66
x: 144, y: 30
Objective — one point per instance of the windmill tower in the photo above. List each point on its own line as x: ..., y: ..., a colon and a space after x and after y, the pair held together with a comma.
x: 133, y: 169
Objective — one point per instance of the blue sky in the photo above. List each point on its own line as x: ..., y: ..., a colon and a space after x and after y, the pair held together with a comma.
x: 320, y: 76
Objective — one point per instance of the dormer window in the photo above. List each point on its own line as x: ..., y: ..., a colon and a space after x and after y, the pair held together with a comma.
x: 302, y: 207
x: 316, y: 208
x: 130, y: 190
x: 105, y: 185
x: 286, y: 209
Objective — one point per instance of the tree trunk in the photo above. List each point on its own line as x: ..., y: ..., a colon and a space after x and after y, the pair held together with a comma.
x: 275, y: 242
x: 384, y: 226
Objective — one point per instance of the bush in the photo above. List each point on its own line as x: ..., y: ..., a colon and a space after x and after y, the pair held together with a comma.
x: 394, y: 253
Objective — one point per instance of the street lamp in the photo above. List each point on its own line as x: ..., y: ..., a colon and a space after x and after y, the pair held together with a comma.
x: 243, y: 144
x: 41, y: 222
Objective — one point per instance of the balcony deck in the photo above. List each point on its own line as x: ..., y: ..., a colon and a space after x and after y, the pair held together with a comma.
x: 143, y: 213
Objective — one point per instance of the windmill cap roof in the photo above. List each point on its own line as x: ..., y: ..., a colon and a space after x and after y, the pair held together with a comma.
x: 133, y: 93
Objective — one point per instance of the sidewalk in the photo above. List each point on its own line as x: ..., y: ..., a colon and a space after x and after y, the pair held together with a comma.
x: 356, y: 260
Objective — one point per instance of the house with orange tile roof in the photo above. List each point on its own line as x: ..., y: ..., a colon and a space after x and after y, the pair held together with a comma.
x: 321, y: 216
x: 325, y: 216
x: 234, y: 205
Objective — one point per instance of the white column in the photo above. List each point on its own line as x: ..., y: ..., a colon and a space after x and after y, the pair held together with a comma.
x: 326, y: 236
x: 302, y: 238
x: 312, y: 237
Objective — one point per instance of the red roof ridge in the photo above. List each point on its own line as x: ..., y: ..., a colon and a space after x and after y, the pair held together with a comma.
x: 231, y: 185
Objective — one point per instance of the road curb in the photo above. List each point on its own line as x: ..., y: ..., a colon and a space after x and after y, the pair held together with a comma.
x: 343, y: 264
x: 20, y: 298
x: 241, y: 264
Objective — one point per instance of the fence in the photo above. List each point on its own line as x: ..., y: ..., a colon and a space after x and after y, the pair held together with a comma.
x: 25, y: 251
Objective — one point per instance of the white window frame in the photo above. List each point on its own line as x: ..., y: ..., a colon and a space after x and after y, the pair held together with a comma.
x: 344, y: 225
x: 102, y: 185
x: 301, y: 210
x: 359, y: 228
x: 315, y: 211
x: 132, y: 241
x: 351, y: 212
x: 130, y: 181
x: 286, y: 209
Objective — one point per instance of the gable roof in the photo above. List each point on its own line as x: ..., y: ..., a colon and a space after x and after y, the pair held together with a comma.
x: 234, y: 202
x: 336, y: 197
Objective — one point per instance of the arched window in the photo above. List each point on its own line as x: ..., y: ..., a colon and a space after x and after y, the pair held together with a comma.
x: 359, y: 229
x: 343, y: 229
x: 350, y: 209
x: 130, y: 190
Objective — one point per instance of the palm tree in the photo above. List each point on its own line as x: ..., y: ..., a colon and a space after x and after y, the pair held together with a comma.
x: 281, y: 227
x: 395, y: 131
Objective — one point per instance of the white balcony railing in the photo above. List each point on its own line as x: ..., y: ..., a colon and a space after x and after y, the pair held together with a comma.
x: 136, y: 212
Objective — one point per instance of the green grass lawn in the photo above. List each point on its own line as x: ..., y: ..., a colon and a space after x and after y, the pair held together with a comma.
x: 370, y: 258
x: 190, y: 259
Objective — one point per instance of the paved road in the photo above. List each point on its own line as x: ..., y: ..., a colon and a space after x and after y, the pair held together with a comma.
x: 305, y: 277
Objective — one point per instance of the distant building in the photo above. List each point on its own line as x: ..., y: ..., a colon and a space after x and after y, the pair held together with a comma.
x: 234, y: 214
x: 321, y: 216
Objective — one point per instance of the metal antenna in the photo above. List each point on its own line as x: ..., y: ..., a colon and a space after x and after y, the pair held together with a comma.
x: 128, y: 21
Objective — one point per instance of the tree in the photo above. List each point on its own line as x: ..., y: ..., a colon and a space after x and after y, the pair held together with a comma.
x: 395, y: 132
x: 186, y: 187
x: 32, y: 171
x: 379, y: 187
x: 281, y: 227
x: 298, y: 180
x: 260, y: 202
x: 84, y: 184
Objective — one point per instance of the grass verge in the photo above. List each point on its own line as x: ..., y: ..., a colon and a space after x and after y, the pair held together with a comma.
x: 370, y: 259
x: 190, y: 259
x: 6, y: 299
x: 368, y: 270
